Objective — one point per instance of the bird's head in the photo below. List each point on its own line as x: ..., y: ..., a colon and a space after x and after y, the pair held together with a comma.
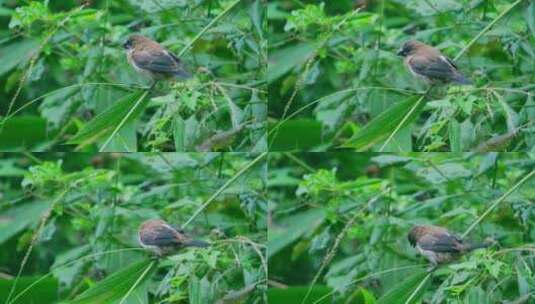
x: 413, y: 236
x: 409, y: 48
x: 136, y: 41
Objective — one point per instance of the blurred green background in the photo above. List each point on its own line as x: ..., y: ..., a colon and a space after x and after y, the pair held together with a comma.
x: 335, y: 80
x: 63, y: 66
x: 85, y: 209
x: 343, y: 218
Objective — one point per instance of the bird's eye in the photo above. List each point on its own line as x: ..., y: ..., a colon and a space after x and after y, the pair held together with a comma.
x: 127, y: 44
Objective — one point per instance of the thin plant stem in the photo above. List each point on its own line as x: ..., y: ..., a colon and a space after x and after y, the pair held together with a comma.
x: 38, y: 231
x: 420, y: 286
x: 497, y: 202
x: 137, y: 282
x: 367, y: 277
x: 486, y: 29
x: 332, y: 251
x: 20, y: 294
x: 295, y: 113
x: 402, y: 123
x: 29, y: 103
x: 224, y: 187
x: 36, y: 55
x: 207, y: 27
x: 123, y: 121
x: 479, y: 35
x: 301, y: 80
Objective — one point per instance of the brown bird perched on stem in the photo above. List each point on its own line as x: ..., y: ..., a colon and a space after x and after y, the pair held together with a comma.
x: 438, y: 245
x: 150, y: 58
x: 163, y: 239
x: 428, y: 63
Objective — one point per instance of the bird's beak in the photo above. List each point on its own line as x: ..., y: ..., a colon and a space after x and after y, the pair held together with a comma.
x: 400, y: 52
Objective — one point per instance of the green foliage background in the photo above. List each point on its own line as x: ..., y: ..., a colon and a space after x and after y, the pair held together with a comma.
x: 351, y: 213
x: 64, y: 69
x: 77, y: 214
x: 335, y: 80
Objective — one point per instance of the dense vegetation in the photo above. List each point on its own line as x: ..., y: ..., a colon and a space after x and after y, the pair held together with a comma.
x: 335, y: 80
x: 68, y: 227
x: 66, y: 83
x: 339, y: 225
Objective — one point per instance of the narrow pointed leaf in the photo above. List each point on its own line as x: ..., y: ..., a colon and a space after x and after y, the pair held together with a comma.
x: 118, y: 284
x: 104, y: 123
x: 384, y: 124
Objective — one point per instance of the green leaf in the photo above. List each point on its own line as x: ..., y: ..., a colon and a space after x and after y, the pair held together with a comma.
x: 16, y: 219
x: 200, y: 291
x: 363, y: 296
x: 117, y: 285
x: 383, y: 125
x: 16, y: 53
x: 179, y: 133
x: 24, y: 133
x: 433, y: 7
x: 297, y: 134
x: 403, y: 291
x: 291, y: 228
x: 283, y: 60
x: 44, y: 292
x: 530, y: 17
x: 256, y: 12
x: 57, y: 107
x: 105, y: 123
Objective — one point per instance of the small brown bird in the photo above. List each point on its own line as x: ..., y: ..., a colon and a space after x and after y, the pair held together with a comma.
x: 163, y: 239
x: 149, y: 57
x: 438, y: 245
x: 427, y: 62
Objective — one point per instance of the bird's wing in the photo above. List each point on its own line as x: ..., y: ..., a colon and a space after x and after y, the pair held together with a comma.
x: 443, y: 242
x: 435, y: 67
x: 160, y: 236
x: 160, y: 61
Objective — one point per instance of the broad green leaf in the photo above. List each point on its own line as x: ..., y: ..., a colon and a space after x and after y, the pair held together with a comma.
x: 44, y: 292
x: 125, y: 140
x: 291, y: 228
x: 363, y: 296
x: 9, y: 168
x: 106, y: 122
x: 6, y: 11
x: 383, y: 125
x: 405, y: 289
x: 297, y: 134
x: 117, y: 285
x: 17, y: 218
x: 444, y: 172
x: 283, y: 60
x: 56, y: 108
x: 16, y: 53
x: 67, y: 273
x: 23, y: 133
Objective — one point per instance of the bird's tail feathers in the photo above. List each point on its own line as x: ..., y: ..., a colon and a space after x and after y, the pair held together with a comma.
x: 197, y: 243
x: 182, y: 74
x: 471, y: 247
x: 460, y: 79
